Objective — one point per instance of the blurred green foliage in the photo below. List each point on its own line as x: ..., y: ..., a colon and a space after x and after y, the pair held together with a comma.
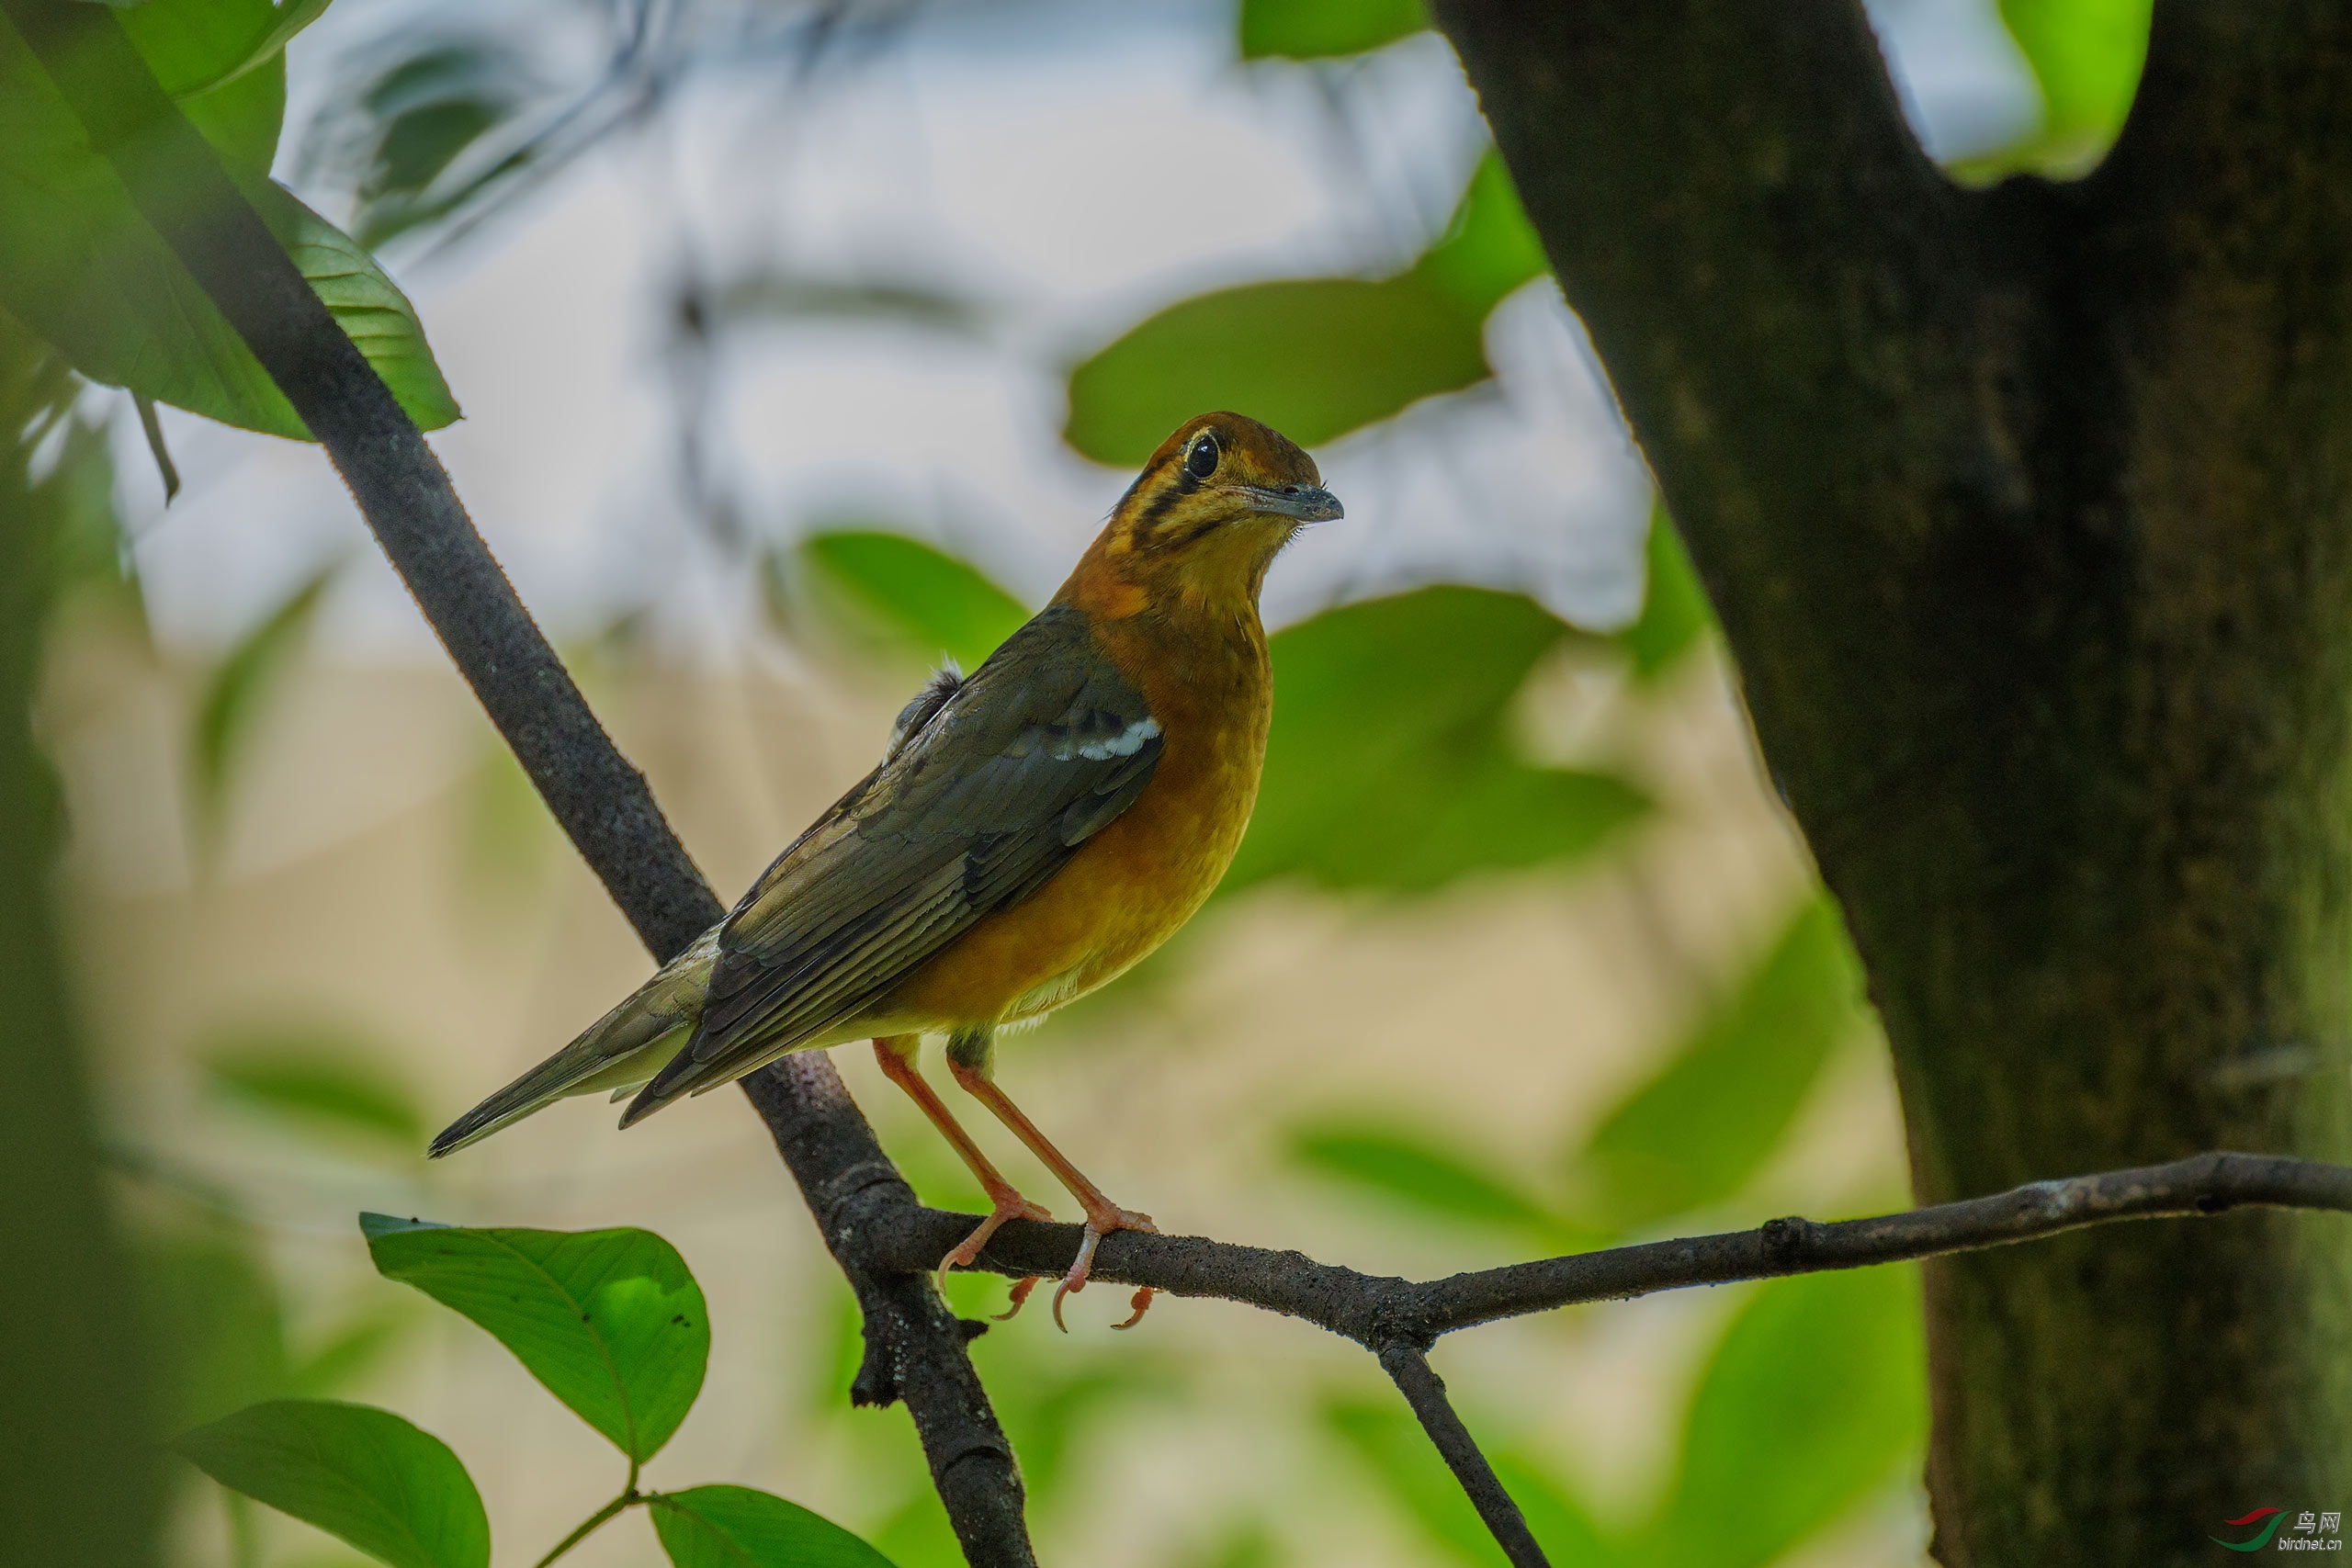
x: 2087, y: 56
x: 328, y: 1082
x: 892, y: 593
x: 1314, y: 358
x: 236, y: 694
x: 1315, y: 29
x: 1692, y: 1135
x: 82, y: 267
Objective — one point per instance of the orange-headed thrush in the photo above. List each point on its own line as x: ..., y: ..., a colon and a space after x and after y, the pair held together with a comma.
x: 1031, y: 832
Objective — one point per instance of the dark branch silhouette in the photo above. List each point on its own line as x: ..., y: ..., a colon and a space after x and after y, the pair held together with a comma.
x: 914, y: 1346
x: 884, y: 1240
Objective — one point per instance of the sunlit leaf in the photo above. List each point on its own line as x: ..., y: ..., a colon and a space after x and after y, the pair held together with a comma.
x: 926, y: 603
x: 610, y: 1321
x: 242, y: 681
x: 1675, y: 611
x: 81, y: 266
x: 1814, y: 1398
x: 192, y: 45
x: 1390, y: 763
x: 360, y: 1473
x: 735, y: 1527
x: 316, y: 1080
x: 1314, y: 358
x: 1407, y: 1169
x: 1315, y: 29
x: 2087, y: 56
x: 1694, y: 1134
x: 285, y: 21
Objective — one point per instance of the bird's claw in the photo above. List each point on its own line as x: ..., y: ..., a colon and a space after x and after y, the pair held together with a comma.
x: 1097, y: 1227
x: 1010, y: 1205
x: 1021, y: 1289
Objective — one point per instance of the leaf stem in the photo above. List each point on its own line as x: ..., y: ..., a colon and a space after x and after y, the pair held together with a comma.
x: 588, y: 1526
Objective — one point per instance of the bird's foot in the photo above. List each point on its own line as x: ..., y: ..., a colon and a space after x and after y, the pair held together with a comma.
x: 1020, y: 1298
x: 1010, y: 1205
x: 1100, y: 1223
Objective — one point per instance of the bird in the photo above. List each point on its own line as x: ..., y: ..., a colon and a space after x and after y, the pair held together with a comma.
x: 1031, y: 832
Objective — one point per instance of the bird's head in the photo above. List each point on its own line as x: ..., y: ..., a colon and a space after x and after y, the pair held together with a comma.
x: 1205, y: 519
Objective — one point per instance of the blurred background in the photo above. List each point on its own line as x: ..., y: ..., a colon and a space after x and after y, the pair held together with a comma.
x: 799, y: 346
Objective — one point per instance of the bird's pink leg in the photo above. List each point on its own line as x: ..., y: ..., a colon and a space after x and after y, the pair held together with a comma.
x: 1103, y: 1216
x: 895, y: 1054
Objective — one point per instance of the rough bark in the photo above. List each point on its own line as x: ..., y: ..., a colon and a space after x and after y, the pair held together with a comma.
x: 2025, y: 512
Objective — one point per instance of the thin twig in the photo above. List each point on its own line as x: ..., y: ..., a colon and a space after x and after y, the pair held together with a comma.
x: 1425, y: 1392
x: 1377, y: 1311
x: 178, y: 186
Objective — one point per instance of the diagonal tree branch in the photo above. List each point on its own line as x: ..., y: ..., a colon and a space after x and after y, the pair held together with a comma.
x: 1410, y: 1367
x: 914, y: 1346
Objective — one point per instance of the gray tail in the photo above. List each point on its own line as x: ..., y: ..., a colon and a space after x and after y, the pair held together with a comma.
x: 621, y: 1050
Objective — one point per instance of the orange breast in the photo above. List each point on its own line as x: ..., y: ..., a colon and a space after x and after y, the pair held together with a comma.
x: 1137, y: 881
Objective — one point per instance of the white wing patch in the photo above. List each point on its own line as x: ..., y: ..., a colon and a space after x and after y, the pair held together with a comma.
x: 1126, y: 743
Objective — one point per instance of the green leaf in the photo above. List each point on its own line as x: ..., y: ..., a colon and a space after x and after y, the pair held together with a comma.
x: 419, y: 119
x: 1675, y: 611
x: 244, y: 681
x: 1694, y: 1134
x: 285, y: 21
x: 2087, y: 56
x: 1816, y: 1397
x: 1314, y: 358
x: 735, y: 1527
x: 1317, y: 29
x: 79, y: 267
x: 196, y: 47
x: 1390, y: 763
x: 317, y: 1081
x: 910, y: 594
x: 1409, y: 1169
x: 609, y: 1321
x: 362, y: 1475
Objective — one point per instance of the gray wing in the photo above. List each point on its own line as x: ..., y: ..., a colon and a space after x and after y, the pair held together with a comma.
x: 992, y: 792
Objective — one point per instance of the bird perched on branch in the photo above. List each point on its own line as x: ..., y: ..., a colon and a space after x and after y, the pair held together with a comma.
x: 1031, y: 832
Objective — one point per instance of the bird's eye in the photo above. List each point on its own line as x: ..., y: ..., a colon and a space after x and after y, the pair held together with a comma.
x: 1201, y: 461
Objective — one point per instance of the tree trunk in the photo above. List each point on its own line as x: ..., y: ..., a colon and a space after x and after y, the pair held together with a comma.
x: 2026, y: 511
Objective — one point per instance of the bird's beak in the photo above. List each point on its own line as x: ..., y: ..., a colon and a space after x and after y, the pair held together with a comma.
x: 1309, y: 503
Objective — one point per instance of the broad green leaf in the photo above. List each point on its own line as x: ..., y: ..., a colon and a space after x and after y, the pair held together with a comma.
x: 316, y: 1080
x: 2087, y: 56
x: 1316, y: 30
x: 1407, y: 1169
x: 81, y: 268
x: 1314, y: 358
x: 1390, y: 762
x: 1675, y: 611
x: 610, y: 1321
x: 285, y: 21
x: 735, y: 1527
x: 243, y: 683
x: 927, y: 603
x: 360, y: 1473
x: 1694, y: 1134
x: 1815, y: 1398
x: 192, y: 45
